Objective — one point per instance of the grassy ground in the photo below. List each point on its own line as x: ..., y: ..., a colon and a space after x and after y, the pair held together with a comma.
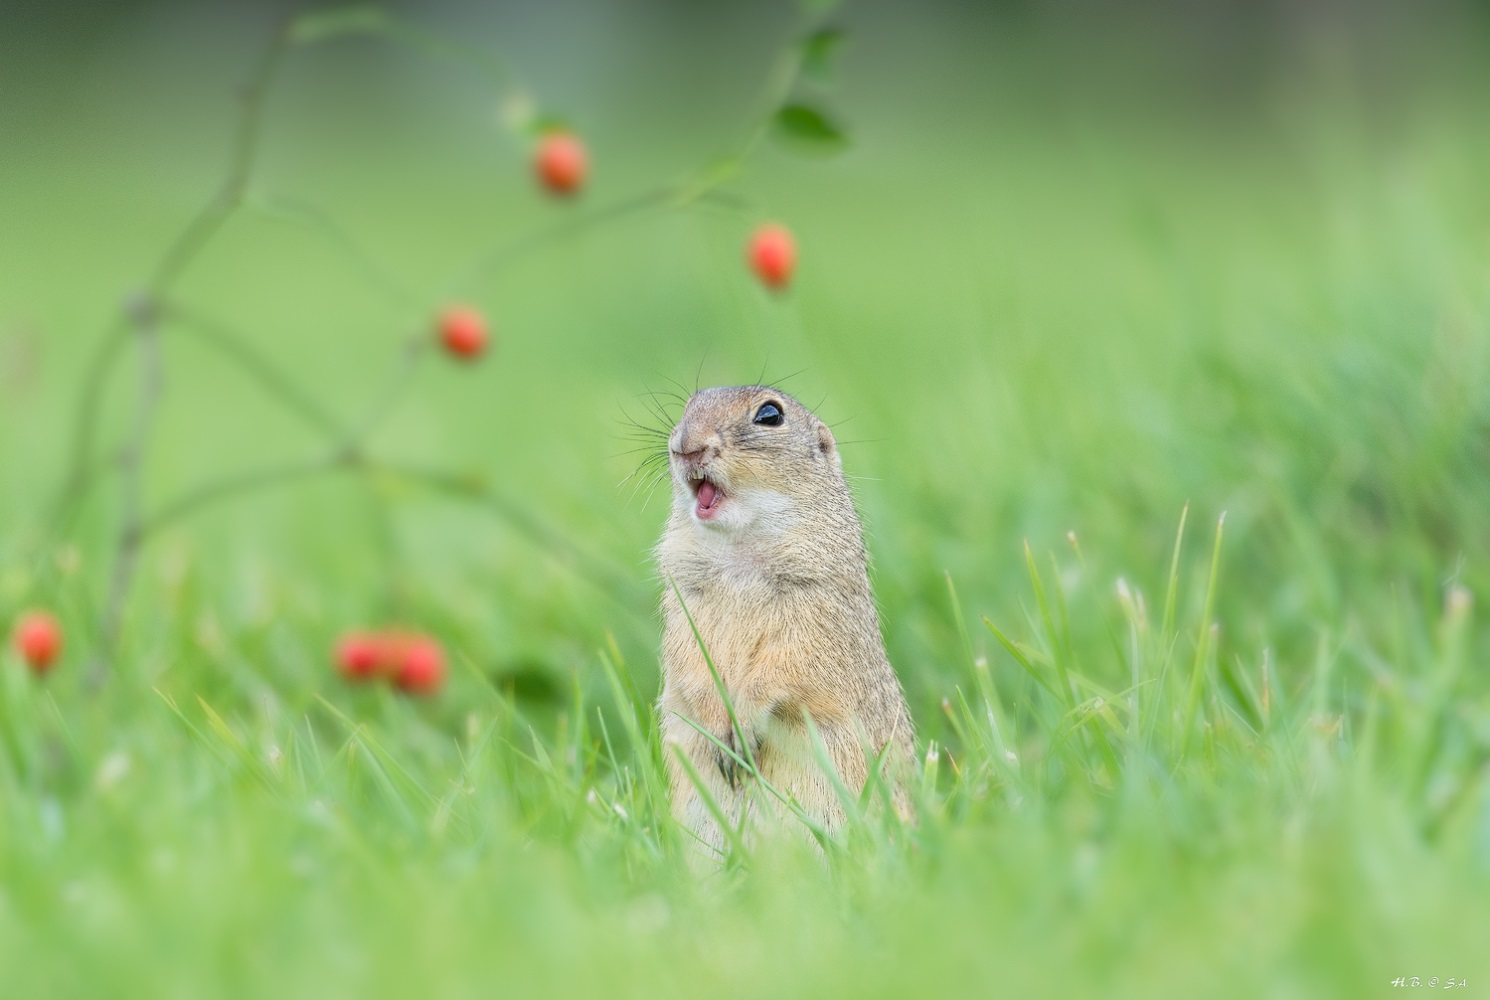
x: 1248, y: 764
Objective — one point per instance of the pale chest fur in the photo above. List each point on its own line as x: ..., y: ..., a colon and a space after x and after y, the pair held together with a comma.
x: 734, y: 604
x: 771, y: 627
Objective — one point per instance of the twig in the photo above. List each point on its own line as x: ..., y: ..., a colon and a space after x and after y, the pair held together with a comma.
x: 345, y: 454
x: 245, y: 151
x: 346, y: 451
x: 454, y: 50
x: 82, y: 465
x: 488, y: 262
x: 238, y: 348
x: 146, y: 322
x: 505, y: 252
x: 373, y: 273
x: 601, y: 575
x: 132, y: 465
x: 192, y: 240
x: 239, y: 484
x: 785, y: 72
x: 604, y: 577
x: 392, y: 393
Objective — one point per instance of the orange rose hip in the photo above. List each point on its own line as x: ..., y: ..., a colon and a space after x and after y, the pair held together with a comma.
x: 561, y: 162
x: 38, y: 638
x: 772, y: 253
x: 462, y: 331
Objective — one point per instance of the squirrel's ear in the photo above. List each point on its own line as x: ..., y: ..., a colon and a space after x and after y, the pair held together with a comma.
x: 825, y: 442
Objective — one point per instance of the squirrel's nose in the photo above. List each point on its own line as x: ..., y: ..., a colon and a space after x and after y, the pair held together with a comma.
x: 692, y: 446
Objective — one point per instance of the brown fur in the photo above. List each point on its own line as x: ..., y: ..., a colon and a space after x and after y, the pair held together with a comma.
x: 778, y: 589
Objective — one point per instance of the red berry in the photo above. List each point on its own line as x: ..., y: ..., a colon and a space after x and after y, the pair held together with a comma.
x: 419, y: 665
x: 773, y: 254
x: 38, y: 638
x: 463, y: 331
x: 361, y: 656
x: 560, y: 162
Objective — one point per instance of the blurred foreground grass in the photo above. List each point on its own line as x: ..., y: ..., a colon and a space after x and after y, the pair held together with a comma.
x: 1047, y: 305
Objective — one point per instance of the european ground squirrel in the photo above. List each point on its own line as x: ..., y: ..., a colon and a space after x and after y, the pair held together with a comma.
x: 767, y: 553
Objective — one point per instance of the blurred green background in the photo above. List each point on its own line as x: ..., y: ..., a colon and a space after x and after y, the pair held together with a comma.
x: 1077, y: 269
x: 1080, y: 265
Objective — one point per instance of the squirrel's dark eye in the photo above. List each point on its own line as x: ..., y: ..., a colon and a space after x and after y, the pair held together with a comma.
x: 769, y: 414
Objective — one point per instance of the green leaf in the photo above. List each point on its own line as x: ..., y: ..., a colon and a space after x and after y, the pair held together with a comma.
x: 523, y: 117
x: 355, y: 19
x: 542, y: 123
x: 809, y: 129
x: 819, y: 51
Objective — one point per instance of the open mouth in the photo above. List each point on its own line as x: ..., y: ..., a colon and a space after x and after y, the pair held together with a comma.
x: 707, y: 497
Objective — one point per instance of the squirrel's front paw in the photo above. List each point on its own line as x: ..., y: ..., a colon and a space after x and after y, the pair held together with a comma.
x: 729, y: 766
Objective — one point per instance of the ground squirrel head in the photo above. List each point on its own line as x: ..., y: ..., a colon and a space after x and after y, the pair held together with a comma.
x: 751, y: 457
